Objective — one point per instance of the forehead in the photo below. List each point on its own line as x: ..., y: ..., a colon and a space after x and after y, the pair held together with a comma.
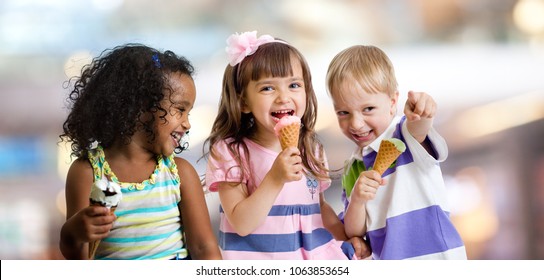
x: 182, y: 87
x: 348, y: 88
x: 350, y: 93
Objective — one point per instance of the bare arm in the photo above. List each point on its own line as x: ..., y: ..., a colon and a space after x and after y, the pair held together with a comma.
x: 333, y: 224
x: 355, y: 220
x: 420, y: 110
x: 201, y: 241
x: 84, y: 223
x: 246, y: 212
x: 365, y: 189
x: 330, y: 220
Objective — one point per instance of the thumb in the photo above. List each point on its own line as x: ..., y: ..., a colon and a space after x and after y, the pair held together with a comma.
x: 410, y: 107
x: 96, y: 210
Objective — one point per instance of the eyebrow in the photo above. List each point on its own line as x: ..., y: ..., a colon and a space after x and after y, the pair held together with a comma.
x: 181, y: 103
x: 271, y: 80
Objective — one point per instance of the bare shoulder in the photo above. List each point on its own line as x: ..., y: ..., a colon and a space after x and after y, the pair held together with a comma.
x: 80, y: 169
x: 186, y: 170
x: 78, y: 185
x: 80, y: 165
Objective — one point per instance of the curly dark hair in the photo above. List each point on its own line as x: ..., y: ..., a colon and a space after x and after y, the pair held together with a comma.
x: 112, y: 93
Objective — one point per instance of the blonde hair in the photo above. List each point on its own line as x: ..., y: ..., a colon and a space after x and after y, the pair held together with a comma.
x: 368, y: 65
x: 271, y: 59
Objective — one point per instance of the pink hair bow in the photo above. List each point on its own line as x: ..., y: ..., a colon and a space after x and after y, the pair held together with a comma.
x: 241, y: 45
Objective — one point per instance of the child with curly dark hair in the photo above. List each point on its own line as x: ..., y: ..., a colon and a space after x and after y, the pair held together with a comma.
x: 129, y: 112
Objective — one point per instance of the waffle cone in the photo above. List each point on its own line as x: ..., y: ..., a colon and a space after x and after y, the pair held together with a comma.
x: 387, y: 154
x: 289, y: 136
x: 94, y: 244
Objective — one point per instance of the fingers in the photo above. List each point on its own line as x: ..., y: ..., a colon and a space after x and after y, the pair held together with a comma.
x: 419, y: 105
x: 289, y: 164
x: 295, y: 162
x: 365, y: 251
x: 362, y: 251
x: 92, y: 223
x: 366, y: 186
x: 291, y: 151
x: 100, y: 221
x: 357, y: 243
x: 97, y: 210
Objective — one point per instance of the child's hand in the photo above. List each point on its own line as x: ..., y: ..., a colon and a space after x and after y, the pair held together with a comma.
x: 420, y: 110
x: 93, y: 223
x: 366, y: 186
x: 419, y: 105
x: 288, y: 166
x: 362, y: 250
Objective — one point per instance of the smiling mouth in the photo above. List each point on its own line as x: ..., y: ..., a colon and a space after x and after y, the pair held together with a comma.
x: 177, y: 137
x: 282, y: 113
x: 361, y: 135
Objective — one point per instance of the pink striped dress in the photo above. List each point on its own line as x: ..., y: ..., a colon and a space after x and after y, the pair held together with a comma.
x: 293, y: 228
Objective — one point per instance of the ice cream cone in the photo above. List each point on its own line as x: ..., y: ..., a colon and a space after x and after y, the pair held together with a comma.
x: 104, y: 193
x: 287, y: 130
x: 92, y: 248
x: 289, y: 136
x: 390, y: 150
x: 94, y: 244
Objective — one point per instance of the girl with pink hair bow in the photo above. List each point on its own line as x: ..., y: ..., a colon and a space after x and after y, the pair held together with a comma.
x: 272, y: 202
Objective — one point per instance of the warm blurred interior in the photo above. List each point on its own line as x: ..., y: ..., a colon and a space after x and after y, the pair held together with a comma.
x: 482, y: 60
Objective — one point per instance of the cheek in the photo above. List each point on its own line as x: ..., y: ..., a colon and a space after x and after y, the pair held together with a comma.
x: 380, y: 124
x: 344, y: 125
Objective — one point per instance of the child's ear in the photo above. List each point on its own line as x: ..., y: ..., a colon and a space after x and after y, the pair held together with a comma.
x: 244, y: 108
x: 394, y: 100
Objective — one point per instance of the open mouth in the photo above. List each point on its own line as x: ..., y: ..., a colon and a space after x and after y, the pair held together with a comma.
x: 177, y: 137
x: 277, y: 115
x: 364, y: 134
x: 361, y: 136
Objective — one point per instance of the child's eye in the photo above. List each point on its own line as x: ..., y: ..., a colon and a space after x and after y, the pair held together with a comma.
x: 267, y: 88
x: 295, y: 85
x: 368, y: 109
x: 341, y: 113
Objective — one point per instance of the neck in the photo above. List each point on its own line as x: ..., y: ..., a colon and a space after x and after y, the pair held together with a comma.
x: 269, y: 141
x: 132, y: 153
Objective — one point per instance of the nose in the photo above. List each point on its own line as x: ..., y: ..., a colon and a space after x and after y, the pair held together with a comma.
x: 282, y: 96
x: 186, y: 124
x: 356, y: 123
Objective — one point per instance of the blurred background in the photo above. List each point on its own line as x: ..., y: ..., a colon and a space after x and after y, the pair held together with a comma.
x: 482, y: 61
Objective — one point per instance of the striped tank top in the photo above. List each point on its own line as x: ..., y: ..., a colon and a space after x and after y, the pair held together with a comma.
x: 148, y: 219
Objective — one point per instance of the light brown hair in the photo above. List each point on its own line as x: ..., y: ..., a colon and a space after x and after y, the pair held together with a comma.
x: 368, y: 65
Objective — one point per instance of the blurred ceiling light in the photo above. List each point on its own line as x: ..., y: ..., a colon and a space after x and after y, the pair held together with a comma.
x: 464, y: 194
x: 529, y: 16
x: 473, y: 210
x: 314, y: 11
x: 74, y: 64
x: 479, y: 225
x: 107, y: 5
x: 501, y: 115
